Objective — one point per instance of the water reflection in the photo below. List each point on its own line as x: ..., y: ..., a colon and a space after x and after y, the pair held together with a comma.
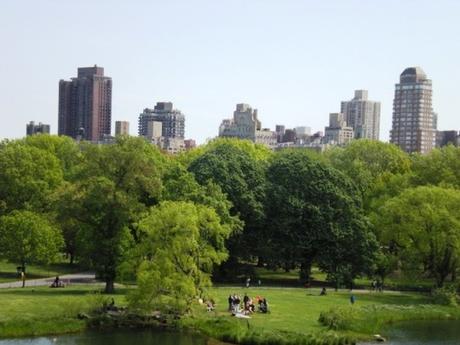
x: 424, y: 333
x: 114, y: 338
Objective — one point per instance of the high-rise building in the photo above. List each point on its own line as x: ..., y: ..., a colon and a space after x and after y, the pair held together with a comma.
x: 362, y: 115
x: 414, y: 122
x: 338, y: 133
x: 279, y: 130
x: 121, y: 128
x: 85, y: 105
x: 172, y: 120
x: 32, y: 128
x: 444, y: 138
x: 246, y: 125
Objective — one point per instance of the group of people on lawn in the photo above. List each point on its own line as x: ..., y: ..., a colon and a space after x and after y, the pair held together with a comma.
x: 247, y: 305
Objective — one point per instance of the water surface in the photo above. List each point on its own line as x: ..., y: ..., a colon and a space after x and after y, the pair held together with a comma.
x: 424, y: 333
x: 114, y: 338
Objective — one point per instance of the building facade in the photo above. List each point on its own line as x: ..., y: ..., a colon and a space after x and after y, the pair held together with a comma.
x: 32, y: 128
x: 444, y: 138
x: 172, y: 120
x: 362, y: 115
x: 414, y: 122
x: 121, y: 128
x: 338, y: 133
x: 85, y: 105
x: 246, y: 125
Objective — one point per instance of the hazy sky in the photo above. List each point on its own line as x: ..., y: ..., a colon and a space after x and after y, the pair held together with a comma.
x: 294, y: 60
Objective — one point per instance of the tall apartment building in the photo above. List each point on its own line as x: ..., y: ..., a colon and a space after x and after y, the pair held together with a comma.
x: 32, y: 128
x: 246, y: 125
x: 444, y: 138
x: 362, y: 115
x: 338, y: 133
x: 121, y: 128
x: 85, y: 105
x: 172, y: 120
x: 414, y: 122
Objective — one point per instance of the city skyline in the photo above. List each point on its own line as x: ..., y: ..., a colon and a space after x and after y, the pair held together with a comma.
x: 278, y: 57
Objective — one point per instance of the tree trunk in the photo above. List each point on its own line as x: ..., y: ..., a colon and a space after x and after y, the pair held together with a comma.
x: 109, y: 285
x: 305, y: 272
x: 23, y: 275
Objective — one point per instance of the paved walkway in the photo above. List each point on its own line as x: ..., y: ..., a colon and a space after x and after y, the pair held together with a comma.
x: 68, y: 279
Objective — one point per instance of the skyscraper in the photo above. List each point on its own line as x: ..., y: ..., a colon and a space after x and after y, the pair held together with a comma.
x: 32, y: 128
x: 85, y: 105
x: 362, y: 115
x: 121, y: 128
x: 246, y: 125
x: 338, y: 133
x: 172, y: 120
x: 414, y: 122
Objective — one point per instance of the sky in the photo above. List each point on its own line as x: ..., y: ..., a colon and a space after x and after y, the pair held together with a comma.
x: 293, y: 60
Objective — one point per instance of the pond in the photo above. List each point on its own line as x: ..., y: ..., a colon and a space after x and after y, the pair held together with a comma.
x: 424, y: 333
x: 115, y: 338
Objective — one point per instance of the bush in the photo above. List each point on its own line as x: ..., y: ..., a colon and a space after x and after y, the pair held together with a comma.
x: 338, y: 318
x: 445, y: 296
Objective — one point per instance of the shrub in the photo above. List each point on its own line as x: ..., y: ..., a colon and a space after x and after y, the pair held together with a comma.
x: 445, y: 296
x: 338, y: 318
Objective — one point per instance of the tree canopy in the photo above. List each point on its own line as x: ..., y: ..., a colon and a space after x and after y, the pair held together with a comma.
x: 313, y: 215
x: 421, y: 227
x: 181, y: 243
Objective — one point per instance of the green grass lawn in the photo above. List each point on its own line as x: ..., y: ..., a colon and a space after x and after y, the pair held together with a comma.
x: 42, y: 310
x: 293, y: 311
x: 298, y: 309
x: 9, y: 273
x: 291, y: 278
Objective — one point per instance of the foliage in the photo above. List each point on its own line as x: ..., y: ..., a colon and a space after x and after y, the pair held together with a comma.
x: 422, y: 227
x: 313, y: 214
x: 446, y: 295
x: 440, y: 167
x: 115, y: 185
x: 27, y: 237
x: 65, y: 149
x: 181, y: 242
x: 238, y: 168
x: 366, y: 161
x: 28, y: 175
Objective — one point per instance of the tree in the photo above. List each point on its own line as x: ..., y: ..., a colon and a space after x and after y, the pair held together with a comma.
x: 314, y: 214
x: 181, y: 242
x: 28, y: 177
x: 373, y: 166
x: 27, y: 237
x: 238, y: 168
x: 422, y: 227
x: 115, y: 185
x: 440, y: 167
x: 64, y: 148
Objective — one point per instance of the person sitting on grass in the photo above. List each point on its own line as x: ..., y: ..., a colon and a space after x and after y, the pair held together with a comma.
x: 230, y: 302
x: 210, y: 305
x: 263, y: 306
x: 57, y: 283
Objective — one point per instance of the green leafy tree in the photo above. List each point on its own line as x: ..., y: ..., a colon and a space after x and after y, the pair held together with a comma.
x: 238, y: 168
x: 27, y: 238
x: 440, y: 167
x: 115, y: 185
x: 28, y: 177
x: 181, y: 242
x: 422, y: 227
x: 314, y: 215
x: 380, y: 170
x: 64, y: 148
